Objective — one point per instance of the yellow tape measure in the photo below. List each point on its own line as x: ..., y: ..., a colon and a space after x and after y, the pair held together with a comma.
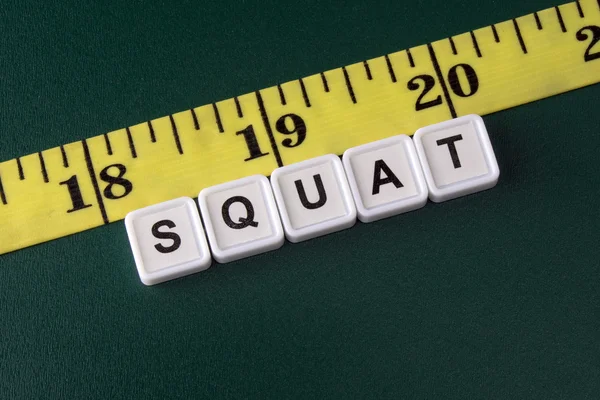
x: 85, y: 184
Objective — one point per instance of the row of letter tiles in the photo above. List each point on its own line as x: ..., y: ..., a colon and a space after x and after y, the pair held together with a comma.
x: 312, y: 198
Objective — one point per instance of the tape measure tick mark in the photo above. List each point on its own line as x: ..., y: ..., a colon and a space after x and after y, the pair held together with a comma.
x: 175, y: 134
x: 349, y: 85
x: 267, y: 124
x: 326, y: 85
x: 281, y: 95
x: 579, y: 9
x: 194, y: 118
x: 560, y: 19
x: 475, y: 44
x: 238, y: 107
x: 518, y: 32
x: 411, y: 61
x: 108, y: 146
x: 92, y: 173
x: 304, y: 93
x: 438, y: 71
x: 131, y: 144
x: 367, y: 70
x: 538, y: 22
x: 218, y: 117
x: 495, y: 32
x: 65, y: 160
x: 452, y: 45
x: 2, y: 195
x: 390, y: 68
x: 43, y: 167
x: 20, y: 168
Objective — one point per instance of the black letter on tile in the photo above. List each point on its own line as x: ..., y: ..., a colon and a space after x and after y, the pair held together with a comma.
x: 322, y: 195
x: 452, y: 148
x: 390, y: 177
x: 166, y: 235
x: 242, y: 222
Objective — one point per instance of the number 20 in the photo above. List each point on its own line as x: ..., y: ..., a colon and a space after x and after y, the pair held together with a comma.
x: 453, y: 80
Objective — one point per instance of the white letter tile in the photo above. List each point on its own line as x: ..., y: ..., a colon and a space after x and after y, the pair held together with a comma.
x: 457, y: 158
x: 167, y: 240
x: 313, y: 197
x: 241, y: 218
x: 386, y: 178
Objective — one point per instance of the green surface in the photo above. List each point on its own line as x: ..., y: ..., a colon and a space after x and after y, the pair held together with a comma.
x: 495, y: 295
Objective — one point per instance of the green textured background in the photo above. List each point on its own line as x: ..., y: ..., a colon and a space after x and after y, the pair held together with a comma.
x: 495, y: 295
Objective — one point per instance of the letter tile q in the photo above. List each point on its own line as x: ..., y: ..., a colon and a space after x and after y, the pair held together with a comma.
x: 241, y: 218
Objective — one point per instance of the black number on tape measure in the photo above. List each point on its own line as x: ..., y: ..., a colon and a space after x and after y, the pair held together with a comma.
x: 428, y: 84
x: 454, y: 81
x: 115, y: 180
x: 582, y: 37
x: 251, y: 142
x: 298, y: 129
x: 75, y: 193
